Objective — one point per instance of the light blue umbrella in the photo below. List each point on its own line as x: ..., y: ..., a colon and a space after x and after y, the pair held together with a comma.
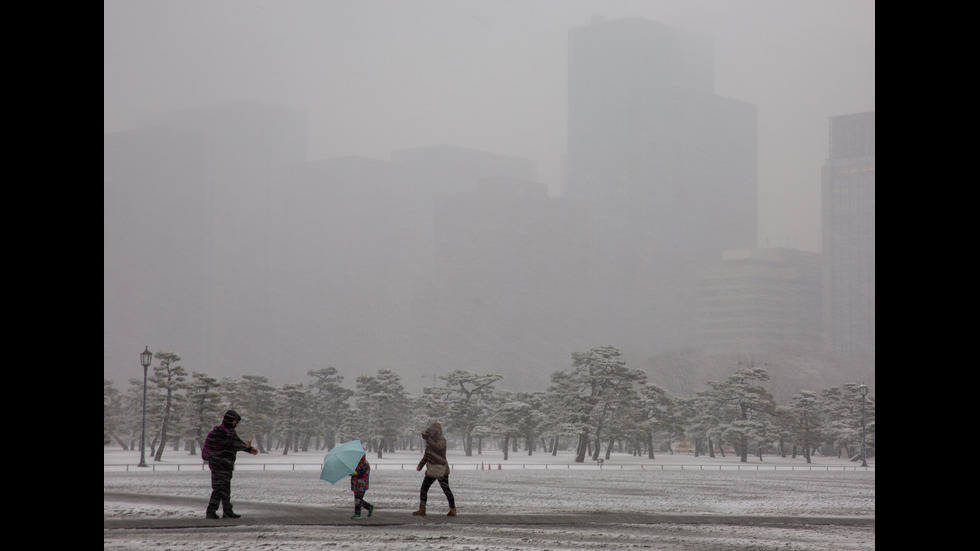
x: 341, y: 461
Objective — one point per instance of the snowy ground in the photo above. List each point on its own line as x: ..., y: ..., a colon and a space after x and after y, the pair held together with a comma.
x: 537, y: 503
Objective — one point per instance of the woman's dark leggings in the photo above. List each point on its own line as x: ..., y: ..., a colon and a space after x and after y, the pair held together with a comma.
x: 444, y: 483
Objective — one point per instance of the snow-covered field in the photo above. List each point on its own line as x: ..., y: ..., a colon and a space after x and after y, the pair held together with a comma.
x: 616, y: 498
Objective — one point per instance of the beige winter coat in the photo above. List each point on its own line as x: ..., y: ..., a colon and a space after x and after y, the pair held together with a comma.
x: 435, y: 448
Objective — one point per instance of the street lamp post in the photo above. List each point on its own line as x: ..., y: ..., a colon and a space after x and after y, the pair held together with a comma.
x: 145, y: 358
x: 864, y: 438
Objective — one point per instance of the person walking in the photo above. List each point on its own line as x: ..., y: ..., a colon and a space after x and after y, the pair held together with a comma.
x: 221, y: 449
x: 436, y: 468
x: 359, y: 485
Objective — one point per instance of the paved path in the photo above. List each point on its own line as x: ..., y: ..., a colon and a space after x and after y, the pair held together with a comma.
x: 254, y: 514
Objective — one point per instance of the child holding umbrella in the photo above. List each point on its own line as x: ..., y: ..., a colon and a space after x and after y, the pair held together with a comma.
x: 359, y: 485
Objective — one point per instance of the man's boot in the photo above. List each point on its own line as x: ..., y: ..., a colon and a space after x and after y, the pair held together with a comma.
x: 211, y: 514
x: 230, y: 514
x: 452, y: 512
x: 420, y: 512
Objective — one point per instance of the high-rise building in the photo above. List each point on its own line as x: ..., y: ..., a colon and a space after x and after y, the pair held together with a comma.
x: 648, y: 134
x: 448, y: 169
x: 157, y: 224
x: 508, y: 274
x: 760, y: 301
x: 667, y: 167
x: 381, y: 264
x: 190, y: 202
x: 849, y: 239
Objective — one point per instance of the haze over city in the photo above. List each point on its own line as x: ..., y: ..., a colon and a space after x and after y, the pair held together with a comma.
x: 370, y: 79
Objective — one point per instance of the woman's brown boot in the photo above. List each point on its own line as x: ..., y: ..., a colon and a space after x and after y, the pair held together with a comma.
x: 420, y: 512
x: 452, y: 512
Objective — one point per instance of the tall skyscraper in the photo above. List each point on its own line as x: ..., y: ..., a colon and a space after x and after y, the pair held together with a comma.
x: 648, y: 134
x: 507, y: 275
x: 849, y: 239
x: 667, y: 166
x: 190, y: 201
x: 157, y: 221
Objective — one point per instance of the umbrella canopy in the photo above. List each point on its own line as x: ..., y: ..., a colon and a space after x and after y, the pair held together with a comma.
x: 341, y: 461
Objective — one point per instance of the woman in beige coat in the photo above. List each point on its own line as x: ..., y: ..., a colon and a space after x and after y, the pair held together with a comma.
x: 436, y: 467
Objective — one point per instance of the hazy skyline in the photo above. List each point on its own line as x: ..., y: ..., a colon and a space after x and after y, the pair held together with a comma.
x: 380, y: 76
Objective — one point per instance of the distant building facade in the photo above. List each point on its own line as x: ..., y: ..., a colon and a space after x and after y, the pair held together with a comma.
x: 849, y: 238
x: 401, y: 260
x: 508, y: 279
x: 157, y: 229
x: 189, y: 208
x: 667, y: 168
x: 448, y: 169
x: 759, y: 301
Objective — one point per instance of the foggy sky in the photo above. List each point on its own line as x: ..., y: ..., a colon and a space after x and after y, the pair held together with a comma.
x: 377, y: 76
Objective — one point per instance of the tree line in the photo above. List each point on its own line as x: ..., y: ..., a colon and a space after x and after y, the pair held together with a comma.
x: 598, y: 405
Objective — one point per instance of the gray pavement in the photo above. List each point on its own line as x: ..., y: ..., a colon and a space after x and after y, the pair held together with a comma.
x: 256, y: 514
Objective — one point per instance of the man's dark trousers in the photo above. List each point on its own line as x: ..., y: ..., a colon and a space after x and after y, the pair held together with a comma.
x: 220, y: 491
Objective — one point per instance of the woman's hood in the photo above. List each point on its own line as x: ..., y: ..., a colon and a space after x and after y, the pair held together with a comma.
x: 434, y: 430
